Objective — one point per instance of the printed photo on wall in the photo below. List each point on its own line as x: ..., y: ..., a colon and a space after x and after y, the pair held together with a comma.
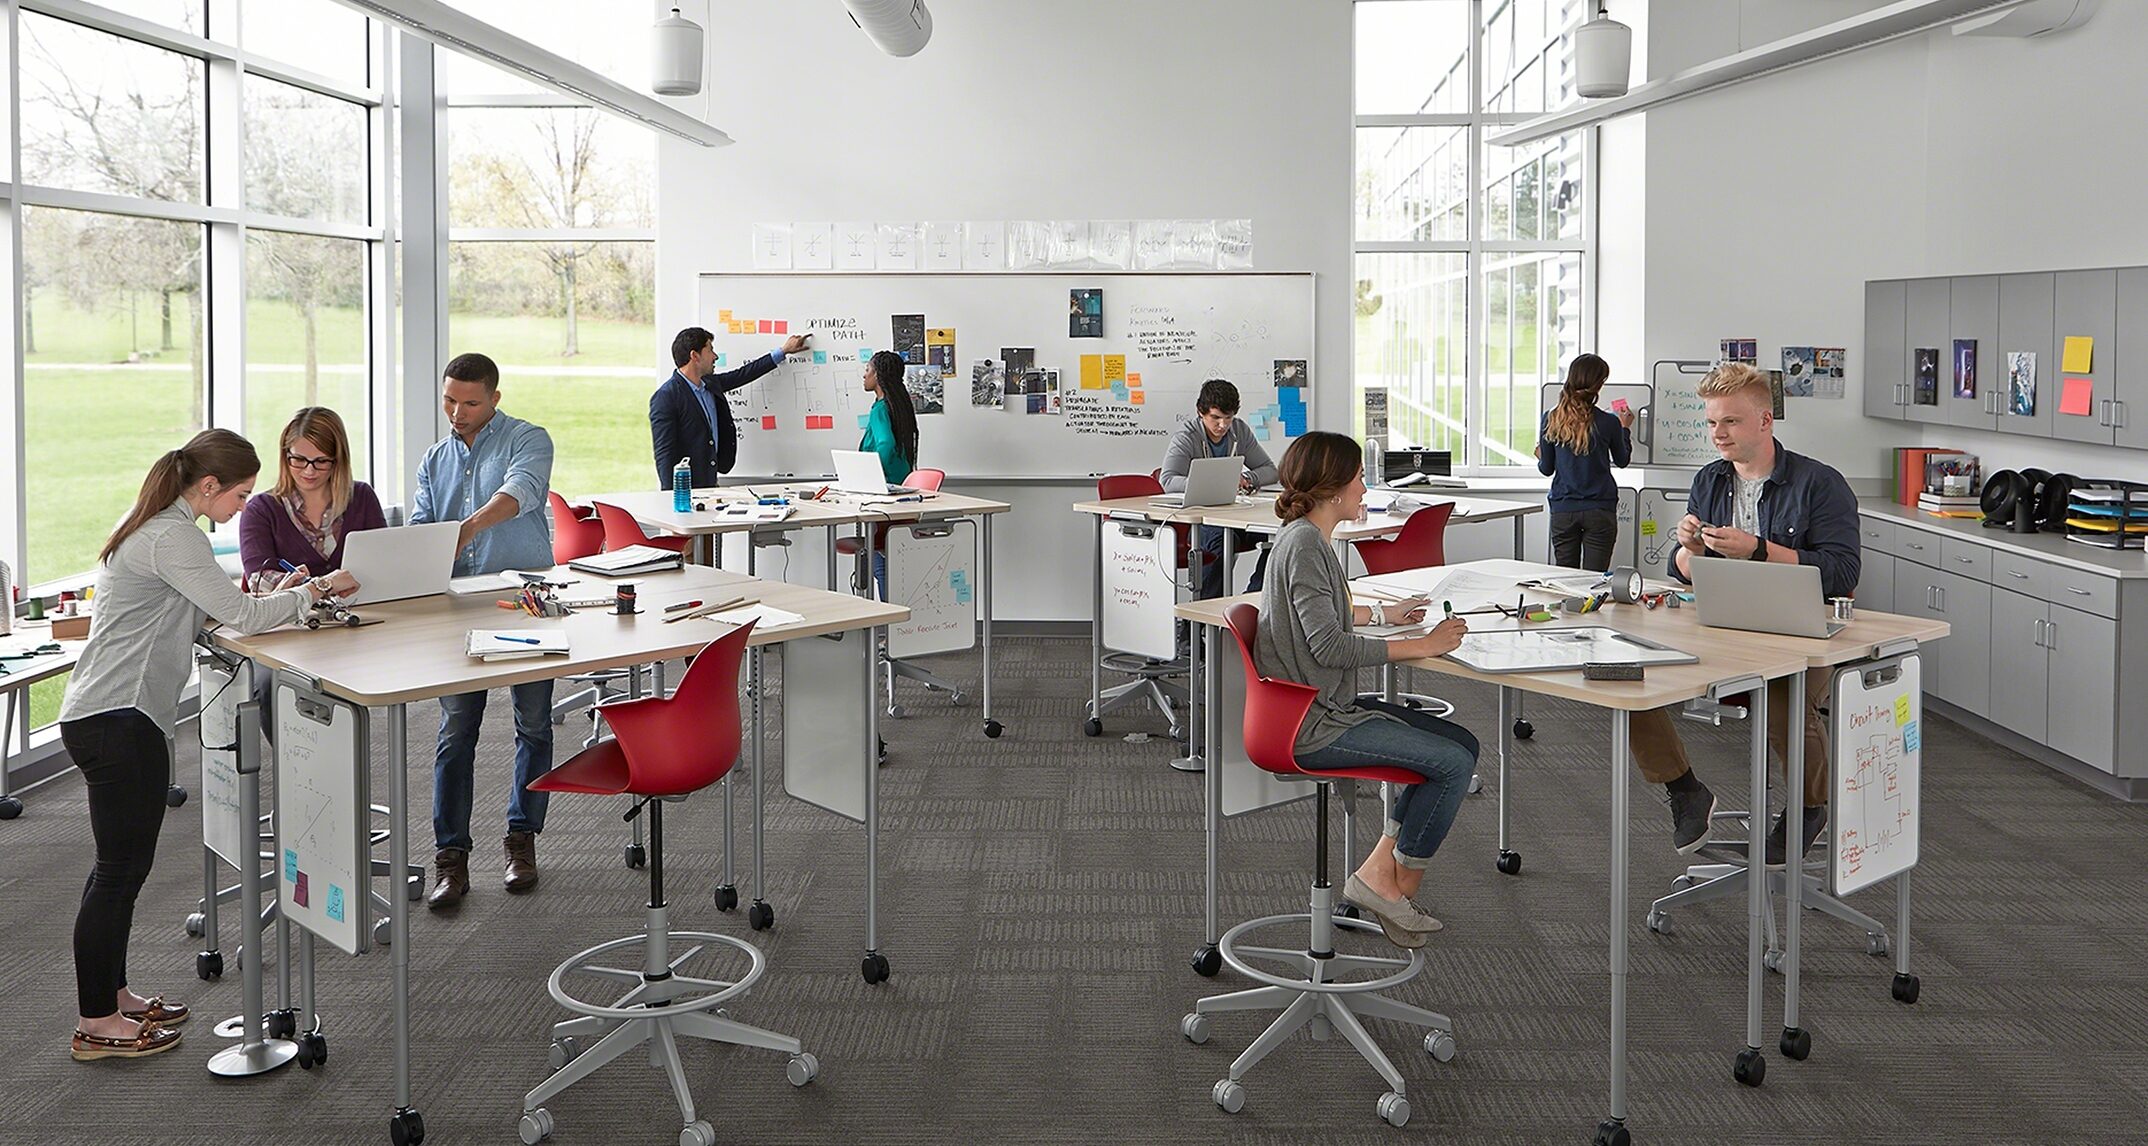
x: 1775, y: 392
x: 1289, y: 373
x: 2021, y: 382
x: 1018, y: 360
x: 1798, y: 367
x: 1965, y: 367
x: 988, y: 385
x: 909, y: 338
x: 1827, y: 364
x: 1746, y: 350
x: 928, y: 391
x: 1085, y: 313
x: 1926, y: 376
x: 1041, y: 390
x: 940, y: 350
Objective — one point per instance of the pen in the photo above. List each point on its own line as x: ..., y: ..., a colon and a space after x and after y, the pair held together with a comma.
x: 682, y: 605
x: 287, y: 566
x: 518, y: 640
x: 1448, y: 606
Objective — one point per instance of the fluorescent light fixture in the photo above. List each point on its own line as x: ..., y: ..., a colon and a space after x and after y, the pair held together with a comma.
x: 1891, y: 22
x: 460, y: 32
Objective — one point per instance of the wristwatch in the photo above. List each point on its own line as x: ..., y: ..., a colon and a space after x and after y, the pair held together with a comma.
x: 1760, y: 549
x: 320, y: 586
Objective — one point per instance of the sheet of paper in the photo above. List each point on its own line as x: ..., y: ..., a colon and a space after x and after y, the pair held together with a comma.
x: 2079, y: 356
x: 984, y: 246
x: 771, y: 246
x: 943, y: 246
x: 1092, y: 372
x: 2076, y: 395
x: 856, y: 246
x: 812, y: 246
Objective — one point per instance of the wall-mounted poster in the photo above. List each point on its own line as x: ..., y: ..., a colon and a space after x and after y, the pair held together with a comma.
x: 2021, y: 382
x: 1798, y: 369
x: 928, y: 391
x: 1085, y: 313
x: 987, y: 384
x: 1965, y: 367
x: 1926, y: 376
x: 1746, y: 350
x: 1827, y: 377
x: 1775, y: 392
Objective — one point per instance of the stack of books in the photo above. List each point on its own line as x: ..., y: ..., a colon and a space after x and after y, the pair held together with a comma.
x: 1969, y: 507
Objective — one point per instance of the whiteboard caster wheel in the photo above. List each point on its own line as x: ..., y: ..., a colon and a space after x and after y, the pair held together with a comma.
x: 312, y: 1050
x: 1681, y: 883
x: 1509, y: 863
x: 10, y: 807
x: 1092, y: 727
x: 383, y: 932
x: 1207, y: 961
x: 897, y: 712
x: 564, y: 1050
x: 726, y: 897
x: 175, y: 797
x: 1796, y: 1043
x: 698, y: 1133
x: 637, y: 856
x: 208, y: 965
x: 196, y: 925
x: 1876, y: 944
x: 760, y: 916
x: 957, y: 698
x: 803, y: 1068
x: 1750, y: 1068
x: 1394, y: 1109
x: 1523, y: 730
x: 992, y: 729
x: 535, y: 1127
x: 1612, y: 1132
x: 874, y: 968
x: 1772, y: 960
x: 1660, y: 923
x: 1194, y: 1027
x: 1476, y: 783
x: 406, y: 1127
x: 1229, y: 1095
x: 1440, y: 1045
x: 1905, y: 988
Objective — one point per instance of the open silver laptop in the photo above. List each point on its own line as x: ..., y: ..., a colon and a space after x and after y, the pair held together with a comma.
x: 1209, y: 481
x: 409, y: 561
x: 1761, y: 597
x: 858, y: 471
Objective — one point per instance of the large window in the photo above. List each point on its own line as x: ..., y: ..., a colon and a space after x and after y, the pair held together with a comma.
x: 1472, y: 259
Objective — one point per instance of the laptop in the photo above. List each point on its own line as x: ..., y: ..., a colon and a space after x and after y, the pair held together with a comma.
x: 1209, y: 481
x: 408, y: 561
x: 858, y: 471
x: 1761, y: 597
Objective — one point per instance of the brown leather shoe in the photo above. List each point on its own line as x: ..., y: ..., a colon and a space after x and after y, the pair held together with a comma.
x: 152, y: 1039
x: 160, y: 1012
x: 521, y: 862
x: 451, y: 878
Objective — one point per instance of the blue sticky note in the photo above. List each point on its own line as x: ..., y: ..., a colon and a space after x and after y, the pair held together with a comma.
x: 865, y: 356
x: 1912, y: 737
x: 1119, y: 391
x: 863, y: 419
x: 335, y: 902
x: 1260, y: 432
x: 820, y: 358
x: 1257, y: 419
x: 960, y: 580
x: 1273, y: 411
x: 290, y: 865
x: 723, y: 359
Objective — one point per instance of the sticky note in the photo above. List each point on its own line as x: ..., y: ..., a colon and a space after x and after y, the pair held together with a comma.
x: 820, y: 358
x: 783, y: 328
x: 1114, y: 368
x: 767, y: 327
x: 1648, y: 529
x: 1134, y: 381
x: 732, y: 328
x: 1260, y: 433
x: 1901, y: 711
x: 768, y: 421
x: 290, y: 864
x: 959, y: 580
x: 1092, y: 372
x: 1119, y: 390
x: 722, y: 359
x: 1912, y: 737
x: 865, y: 356
x: 2075, y: 395
x: 335, y: 902
x: 724, y: 316
x: 2080, y: 353
x: 299, y: 894
x: 1140, y: 397
x: 1257, y: 419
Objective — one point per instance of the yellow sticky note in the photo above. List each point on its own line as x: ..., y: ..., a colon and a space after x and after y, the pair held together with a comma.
x: 734, y: 327
x: 1092, y: 372
x: 1648, y: 529
x: 1114, y: 368
x: 1901, y: 711
x: 2080, y: 351
x: 724, y: 316
x: 1138, y: 396
x: 1133, y: 381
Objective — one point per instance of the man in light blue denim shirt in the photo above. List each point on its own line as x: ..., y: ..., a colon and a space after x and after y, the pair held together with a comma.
x: 491, y: 473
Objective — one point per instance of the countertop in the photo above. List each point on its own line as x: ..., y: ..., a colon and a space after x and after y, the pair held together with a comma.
x: 2052, y: 547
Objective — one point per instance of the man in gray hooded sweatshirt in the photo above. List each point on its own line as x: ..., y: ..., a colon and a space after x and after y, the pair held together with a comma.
x: 1217, y: 432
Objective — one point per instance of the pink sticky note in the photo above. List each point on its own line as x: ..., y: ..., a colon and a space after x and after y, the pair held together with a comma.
x: 1619, y: 405
x: 2075, y: 395
x: 782, y: 328
x: 767, y: 327
x: 768, y: 421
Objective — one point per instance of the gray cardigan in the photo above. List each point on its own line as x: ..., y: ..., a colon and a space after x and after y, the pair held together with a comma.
x: 1305, y: 634
x: 150, y: 601
x: 1190, y: 441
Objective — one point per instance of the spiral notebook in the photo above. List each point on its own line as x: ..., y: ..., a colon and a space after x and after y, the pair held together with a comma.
x: 490, y: 645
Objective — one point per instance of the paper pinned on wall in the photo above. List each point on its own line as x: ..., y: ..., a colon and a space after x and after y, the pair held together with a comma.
x: 771, y: 246
x: 1067, y: 245
x: 1115, y: 371
x: 984, y: 246
x: 1111, y: 244
x: 1028, y: 242
x: 1193, y: 244
x: 1092, y: 372
x: 940, y: 350
x: 2076, y: 395
x: 942, y: 246
x: 1234, y: 244
x: 856, y: 246
x: 1153, y: 240
x: 1133, y: 381
x: 812, y: 246
x: 897, y: 246
x: 2079, y: 357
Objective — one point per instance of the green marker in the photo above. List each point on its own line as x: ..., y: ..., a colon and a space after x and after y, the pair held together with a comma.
x: 1449, y: 606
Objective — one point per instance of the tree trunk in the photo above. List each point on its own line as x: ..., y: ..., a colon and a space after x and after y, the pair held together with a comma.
x: 310, y: 312
x: 197, y: 375
x: 567, y: 280
x: 29, y: 322
x: 165, y: 302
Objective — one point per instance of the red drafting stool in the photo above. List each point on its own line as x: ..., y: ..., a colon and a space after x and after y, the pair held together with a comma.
x: 1314, y: 991
x: 661, y: 749
x: 577, y: 533
x: 863, y: 584
x: 1422, y: 544
x: 1157, y: 681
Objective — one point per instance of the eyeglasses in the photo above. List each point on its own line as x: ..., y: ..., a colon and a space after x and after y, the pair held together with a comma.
x: 299, y: 463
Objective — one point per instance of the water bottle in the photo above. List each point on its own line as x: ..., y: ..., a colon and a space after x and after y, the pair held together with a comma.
x: 682, y: 486
x: 1375, y: 461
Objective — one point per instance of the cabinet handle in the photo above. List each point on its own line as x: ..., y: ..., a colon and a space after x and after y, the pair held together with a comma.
x: 2051, y: 635
x: 2103, y: 415
x: 2118, y: 412
x: 2017, y: 574
x: 2073, y: 589
x: 1914, y: 545
x: 2038, y: 639
x: 1942, y: 591
x: 1964, y: 560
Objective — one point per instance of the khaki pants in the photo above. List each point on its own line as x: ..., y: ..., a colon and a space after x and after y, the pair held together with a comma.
x: 1661, y: 756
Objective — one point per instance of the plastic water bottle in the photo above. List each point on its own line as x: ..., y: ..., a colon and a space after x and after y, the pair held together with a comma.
x: 1375, y: 461
x: 682, y: 486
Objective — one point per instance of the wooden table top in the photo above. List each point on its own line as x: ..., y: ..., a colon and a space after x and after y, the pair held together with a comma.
x: 28, y: 635
x: 417, y: 652
x: 652, y: 508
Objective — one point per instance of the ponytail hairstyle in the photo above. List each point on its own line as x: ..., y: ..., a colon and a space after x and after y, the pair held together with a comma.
x: 324, y: 428
x: 220, y: 454
x: 888, y: 369
x: 1315, y: 468
x: 1573, y: 419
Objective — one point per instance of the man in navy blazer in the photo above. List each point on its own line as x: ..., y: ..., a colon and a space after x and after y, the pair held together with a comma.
x: 688, y: 415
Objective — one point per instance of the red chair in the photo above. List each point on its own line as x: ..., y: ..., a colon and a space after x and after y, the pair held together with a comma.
x: 621, y: 531
x: 576, y: 532
x: 1422, y: 544
x: 662, y: 748
x: 1157, y: 681
x: 1317, y: 989
x: 924, y: 481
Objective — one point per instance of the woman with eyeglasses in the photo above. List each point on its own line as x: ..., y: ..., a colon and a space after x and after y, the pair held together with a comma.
x: 303, y: 518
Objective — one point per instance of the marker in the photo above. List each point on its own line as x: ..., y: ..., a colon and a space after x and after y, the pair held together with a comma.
x: 287, y: 566
x: 519, y: 640
x: 1449, y: 606
x: 682, y: 605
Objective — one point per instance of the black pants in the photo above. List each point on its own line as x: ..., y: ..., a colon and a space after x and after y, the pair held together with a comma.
x: 127, y: 765
x: 1584, y: 539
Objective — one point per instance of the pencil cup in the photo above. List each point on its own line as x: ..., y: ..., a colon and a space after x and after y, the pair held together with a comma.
x: 624, y: 603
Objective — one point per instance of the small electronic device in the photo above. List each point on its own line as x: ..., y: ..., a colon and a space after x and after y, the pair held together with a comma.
x: 1611, y: 670
x: 1761, y: 597
x: 1209, y: 481
x: 395, y: 564
x: 858, y: 471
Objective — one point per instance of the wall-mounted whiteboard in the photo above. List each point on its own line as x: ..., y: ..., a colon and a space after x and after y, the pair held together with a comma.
x: 932, y: 569
x: 1879, y: 739
x: 323, y: 851
x: 1173, y: 332
x: 1140, y: 566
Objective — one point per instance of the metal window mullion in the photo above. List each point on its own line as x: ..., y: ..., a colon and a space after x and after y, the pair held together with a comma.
x: 1474, y: 359
x: 383, y: 400
x: 318, y: 84
x: 130, y: 27
x: 15, y: 537
x: 551, y: 234
x: 223, y: 289
x: 421, y: 222
x: 107, y: 204
x: 321, y: 228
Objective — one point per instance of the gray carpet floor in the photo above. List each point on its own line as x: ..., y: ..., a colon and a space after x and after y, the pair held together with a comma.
x: 1040, y: 895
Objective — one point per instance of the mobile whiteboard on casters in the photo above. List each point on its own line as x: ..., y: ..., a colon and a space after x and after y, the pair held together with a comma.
x: 1139, y: 569
x: 1878, y: 743
x: 323, y: 814
x: 1551, y: 650
x: 223, y: 829
x: 932, y: 569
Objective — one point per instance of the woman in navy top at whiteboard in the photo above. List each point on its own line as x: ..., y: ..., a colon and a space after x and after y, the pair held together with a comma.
x: 891, y: 429
x: 1577, y: 445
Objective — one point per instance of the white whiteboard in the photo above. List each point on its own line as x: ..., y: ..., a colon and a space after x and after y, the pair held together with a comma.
x: 1175, y: 331
x: 323, y: 867
x: 1140, y: 564
x: 223, y: 829
x: 827, y: 697
x: 1679, y: 430
x: 1878, y: 742
x: 933, y: 570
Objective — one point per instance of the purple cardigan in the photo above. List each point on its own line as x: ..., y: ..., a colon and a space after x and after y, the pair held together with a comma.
x: 267, y: 534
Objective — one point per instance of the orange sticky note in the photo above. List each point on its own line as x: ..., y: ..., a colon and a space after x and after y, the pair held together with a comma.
x: 767, y: 327
x: 768, y: 421
x: 2075, y: 395
x: 1138, y: 396
x: 783, y: 328
x: 1133, y: 381
x: 731, y: 327
x: 724, y: 316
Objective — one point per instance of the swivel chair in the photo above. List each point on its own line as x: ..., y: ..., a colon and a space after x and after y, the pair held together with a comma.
x: 1313, y: 990
x: 662, y: 749
x: 621, y: 531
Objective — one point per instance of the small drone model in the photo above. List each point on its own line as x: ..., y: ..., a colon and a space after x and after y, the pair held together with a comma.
x: 332, y: 611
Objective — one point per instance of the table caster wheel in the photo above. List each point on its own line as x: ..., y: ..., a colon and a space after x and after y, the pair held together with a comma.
x: 803, y: 1068
x: 1523, y: 730
x: 1440, y: 1045
x: 1394, y: 1109
x: 196, y: 924
x: 1772, y: 960
x: 565, y: 1049
x: 383, y: 933
x: 992, y: 729
x: 698, y: 1133
x: 1796, y: 1043
x: 897, y: 712
x: 1876, y: 944
x: 957, y: 697
x: 535, y: 1127
x: 1092, y: 727
x: 637, y: 856
x: 406, y: 1127
x: 875, y: 967
x: 1229, y: 1095
x: 1207, y: 961
x: 209, y: 965
x: 1681, y: 883
x: 1905, y: 988
x: 1348, y: 910
x: 1509, y: 863
x: 283, y: 1024
x: 414, y: 888
x: 1476, y: 783
x: 1660, y: 923
x: 10, y: 807
x: 312, y: 1050
x: 1612, y: 1132
x: 760, y: 916
x: 175, y: 797
x: 1750, y: 1068
x: 1194, y: 1027
x: 726, y: 897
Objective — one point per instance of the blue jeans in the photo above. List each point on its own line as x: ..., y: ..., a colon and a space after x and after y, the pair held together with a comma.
x: 455, y: 762
x: 1443, y: 752
x: 1215, y: 579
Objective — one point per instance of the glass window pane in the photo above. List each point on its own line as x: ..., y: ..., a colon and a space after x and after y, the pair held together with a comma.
x: 185, y: 15
x: 1528, y: 55
x: 548, y: 167
x: 112, y: 370
x: 305, y: 339
x: 573, y: 327
x: 592, y: 35
x: 1412, y: 318
x: 1411, y: 182
x: 101, y: 113
x: 305, y: 153
x: 1532, y: 328
x: 1534, y: 191
x: 1412, y: 57
x: 321, y: 36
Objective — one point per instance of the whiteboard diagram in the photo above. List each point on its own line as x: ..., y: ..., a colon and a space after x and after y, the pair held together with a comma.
x: 932, y: 569
x: 323, y: 867
x: 1878, y: 746
x: 1140, y: 589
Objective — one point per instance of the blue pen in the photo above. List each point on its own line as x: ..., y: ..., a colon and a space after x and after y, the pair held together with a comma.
x: 287, y: 566
x: 519, y: 640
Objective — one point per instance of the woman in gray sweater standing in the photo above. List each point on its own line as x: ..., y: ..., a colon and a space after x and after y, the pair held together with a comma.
x: 156, y: 581
x: 1305, y: 636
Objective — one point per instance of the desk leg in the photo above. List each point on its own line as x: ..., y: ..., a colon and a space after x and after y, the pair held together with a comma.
x: 10, y: 807
x: 1196, y: 740
x: 1094, y: 725
x: 254, y: 1053
x: 407, y: 1126
x: 875, y: 966
x: 1207, y: 958
x: 1751, y: 1066
x: 1523, y: 730
x: 831, y: 560
x: 760, y: 915
x: 984, y: 600
x: 1905, y: 984
x: 1796, y: 1041
x: 1509, y: 860
x: 1612, y: 1131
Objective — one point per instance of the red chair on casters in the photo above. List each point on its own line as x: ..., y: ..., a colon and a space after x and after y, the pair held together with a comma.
x: 862, y: 579
x: 621, y: 530
x: 662, y: 749
x: 577, y: 533
x: 1153, y: 679
x: 1422, y: 544
x: 1314, y: 992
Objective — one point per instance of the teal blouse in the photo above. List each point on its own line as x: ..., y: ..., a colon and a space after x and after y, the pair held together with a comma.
x: 880, y: 439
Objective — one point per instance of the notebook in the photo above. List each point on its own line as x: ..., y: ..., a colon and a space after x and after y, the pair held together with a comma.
x: 629, y: 561
x: 490, y: 645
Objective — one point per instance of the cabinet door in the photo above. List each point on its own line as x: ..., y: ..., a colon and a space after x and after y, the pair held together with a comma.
x: 1886, y: 372
x: 1974, y: 327
x: 1961, y: 672
x: 2084, y: 668
x: 1875, y: 582
x: 2025, y: 326
x: 2086, y: 306
x: 2131, y: 383
x: 2017, y: 645
x: 1930, y: 322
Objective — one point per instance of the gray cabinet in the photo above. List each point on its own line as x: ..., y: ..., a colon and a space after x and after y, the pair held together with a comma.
x: 2018, y: 651
x: 2085, y: 304
x: 1875, y: 571
x: 1958, y: 669
x: 1886, y: 359
x: 2083, y: 650
x: 2130, y: 384
x: 1974, y: 318
x: 2025, y: 325
x: 1930, y: 321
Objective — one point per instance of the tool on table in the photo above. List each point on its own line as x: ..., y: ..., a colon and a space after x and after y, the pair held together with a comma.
x: 718, y: 607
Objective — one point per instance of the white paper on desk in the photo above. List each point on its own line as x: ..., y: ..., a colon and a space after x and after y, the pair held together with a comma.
x: 756, y: 513
x: 1390, y: 632
x: 1464, y: 589
x: 763, y: 616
